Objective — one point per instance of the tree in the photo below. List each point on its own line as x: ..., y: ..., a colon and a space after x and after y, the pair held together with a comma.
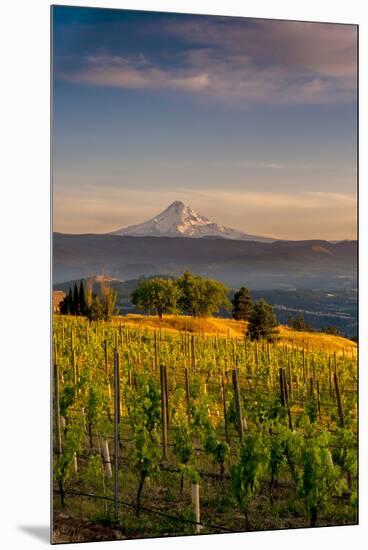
x: 75, y: 310
x: 242, y: 304
x: 66, y: 304
x: 331, y: 329
x: 214, y: 296
x: 109, y: 297
x: 299, y: 324
x: 70, y: 302
x: 201, y: 296
x: 190, y: 293
x: 82, y: 301
x: 156, y: 294
x: 262, y: 321
x: 88, y: 295
x: 95, y: 311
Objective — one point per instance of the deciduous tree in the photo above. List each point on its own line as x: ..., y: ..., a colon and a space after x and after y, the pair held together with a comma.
x: 160, y: 295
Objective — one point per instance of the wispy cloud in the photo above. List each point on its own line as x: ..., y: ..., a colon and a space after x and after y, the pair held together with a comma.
x: 265, y: 61
x: 327, y: 49
x: 293, y: 215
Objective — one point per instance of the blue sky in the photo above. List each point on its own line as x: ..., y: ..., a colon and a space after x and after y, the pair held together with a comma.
x: 251, y: 122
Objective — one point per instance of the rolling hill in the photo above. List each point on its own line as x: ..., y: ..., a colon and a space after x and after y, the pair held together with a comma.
x: 259, y: 265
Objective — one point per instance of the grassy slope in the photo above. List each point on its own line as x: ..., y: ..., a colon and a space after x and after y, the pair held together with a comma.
x: 231, y: 328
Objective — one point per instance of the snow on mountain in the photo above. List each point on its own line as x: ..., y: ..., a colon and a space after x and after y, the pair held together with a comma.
x: 180, y: 220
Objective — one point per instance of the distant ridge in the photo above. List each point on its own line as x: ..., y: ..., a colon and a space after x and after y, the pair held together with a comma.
x: 180, y: 220
x: 280, y: 264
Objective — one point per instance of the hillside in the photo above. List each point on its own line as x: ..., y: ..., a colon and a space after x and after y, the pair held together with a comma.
x: 230, y: 328
x: 280, y: 264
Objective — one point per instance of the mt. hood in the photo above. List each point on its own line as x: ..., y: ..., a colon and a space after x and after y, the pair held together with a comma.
x: 179, y: 220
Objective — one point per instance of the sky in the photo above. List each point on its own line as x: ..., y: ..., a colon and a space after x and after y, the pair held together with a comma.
x: 252, y: 122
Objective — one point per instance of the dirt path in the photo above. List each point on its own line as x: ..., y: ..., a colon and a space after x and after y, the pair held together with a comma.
x: 68, y: 529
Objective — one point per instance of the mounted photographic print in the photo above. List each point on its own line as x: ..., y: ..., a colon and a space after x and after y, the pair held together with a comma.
x: 204, y: 274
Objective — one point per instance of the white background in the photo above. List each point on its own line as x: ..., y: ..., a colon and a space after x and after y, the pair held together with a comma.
x: 25, y: 270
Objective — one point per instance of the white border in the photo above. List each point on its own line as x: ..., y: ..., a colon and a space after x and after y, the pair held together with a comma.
x: 24, y: 380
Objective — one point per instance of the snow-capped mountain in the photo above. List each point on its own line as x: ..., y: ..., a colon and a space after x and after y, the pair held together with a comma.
x: 180, y: 220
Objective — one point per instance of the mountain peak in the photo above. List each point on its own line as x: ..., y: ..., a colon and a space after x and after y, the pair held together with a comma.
x: 176, y: 204
x: 180, y: 220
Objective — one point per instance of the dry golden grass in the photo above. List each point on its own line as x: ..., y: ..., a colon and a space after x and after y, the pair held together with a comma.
x: 176, y: 323
x: 230, y: 328
x: 317, y: 341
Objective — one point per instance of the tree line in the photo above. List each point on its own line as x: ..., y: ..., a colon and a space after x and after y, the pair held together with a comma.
x: 301, y: 325
x: 188, y: 294
x: 83, y: 301
x: 202, y: 297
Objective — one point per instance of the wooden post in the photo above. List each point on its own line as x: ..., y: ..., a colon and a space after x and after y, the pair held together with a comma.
x: 286, y: 397
x: 307, y: 366
x: 187, y: 389
x: 57, y: 411
x: 290, y: 380
x: 75, y: 463
x: 233, y: 341
x: 156, y: 350
x: 238, y: 404
x: 193, y: 354
x: 105, y: 356
x: 74, y: 367
x: 166, y: 395
x: 318, y: 400
x: 116, y: 432
x: 62, y: 333
x: 195, y: 503
x: 314, y: 369
x: 224, y: 407
x: 163, y: 413
x: 329, y: 376
x: 55, y: 354
x: 106, y: 458
x: 339, y: 403
x: 282, y: 387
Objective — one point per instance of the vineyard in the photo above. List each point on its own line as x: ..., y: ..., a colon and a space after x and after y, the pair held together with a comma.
x: 162, y: 433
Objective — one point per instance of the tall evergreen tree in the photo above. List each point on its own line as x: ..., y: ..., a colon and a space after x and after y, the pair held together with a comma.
x: 70, y: 302
x: 242, y: 304
x: 75, y: 300
x: 64, y: 305
x: 262, y: 322
x: 82, y: 300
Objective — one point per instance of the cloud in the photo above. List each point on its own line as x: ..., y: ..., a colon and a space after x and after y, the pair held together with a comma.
x: 121, y: 72
x: 233, y: 59
x: 293, y: 215
x: 327, y: 49
x: 287, y: 215
x: 267, y: 201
